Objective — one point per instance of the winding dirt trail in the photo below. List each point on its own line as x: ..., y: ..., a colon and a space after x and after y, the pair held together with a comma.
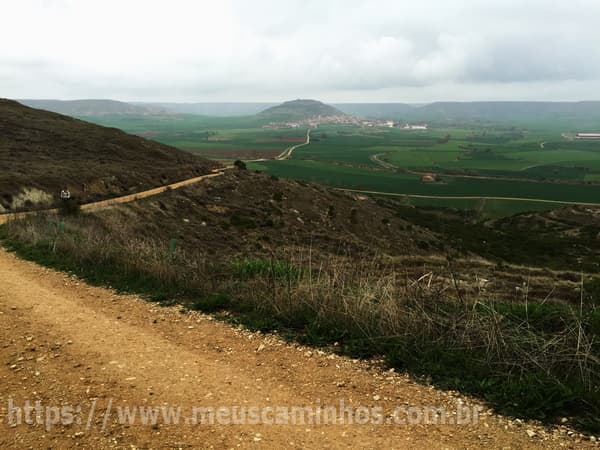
x: 451, y: 197
x: 382, y: 163
x: 386, y: 165
x: 65, y: 343
x: 287, y: 153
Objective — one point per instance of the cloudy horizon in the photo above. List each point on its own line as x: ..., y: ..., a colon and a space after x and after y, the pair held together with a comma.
x: 268, y: 51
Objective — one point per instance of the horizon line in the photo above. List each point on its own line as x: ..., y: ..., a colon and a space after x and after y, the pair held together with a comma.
x: 282, y: 101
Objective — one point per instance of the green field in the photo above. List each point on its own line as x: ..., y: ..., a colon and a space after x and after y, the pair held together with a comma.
x: 213, y: 137
x: 411, y: 185
x: 475, y: 160
x: 500, y: 152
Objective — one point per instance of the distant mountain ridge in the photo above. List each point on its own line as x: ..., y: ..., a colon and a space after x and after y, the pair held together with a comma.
x: 584, y: 112
x: 505, y: 110
x: 299, y: 110
x: 90, y: 108
x: 215, y: 109
x: 375, y: 110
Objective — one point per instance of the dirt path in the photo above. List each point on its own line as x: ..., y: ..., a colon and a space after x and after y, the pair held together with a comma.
x: 64, y: 343
x: 448, y: 197
x: 287, y: 153
x: 384, y: 164
x: 123, y: 199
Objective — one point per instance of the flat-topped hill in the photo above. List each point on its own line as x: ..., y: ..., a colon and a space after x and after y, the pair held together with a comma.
x: 299, y: 110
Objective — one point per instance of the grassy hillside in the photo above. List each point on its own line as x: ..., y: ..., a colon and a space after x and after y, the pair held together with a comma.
x: 46, y: 152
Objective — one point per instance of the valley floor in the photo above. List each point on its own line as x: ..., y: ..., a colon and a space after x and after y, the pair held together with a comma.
x: 65, y: 343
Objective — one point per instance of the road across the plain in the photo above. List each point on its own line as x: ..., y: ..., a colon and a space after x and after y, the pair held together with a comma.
x: 443, y: 197
x: 287, y: 153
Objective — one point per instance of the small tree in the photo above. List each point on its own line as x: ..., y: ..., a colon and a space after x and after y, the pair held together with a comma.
x: 241, y: 165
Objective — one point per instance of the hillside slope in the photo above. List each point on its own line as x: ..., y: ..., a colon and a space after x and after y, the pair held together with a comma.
x: 43, y: 152
x: 509, y: 111
x: 218, y: 109
x: 299, y: 110
x: 91, y: 108
x: 244, y: 213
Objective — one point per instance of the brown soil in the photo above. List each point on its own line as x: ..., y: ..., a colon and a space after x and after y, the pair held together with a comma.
x: 245, y: 213
x: 67, y: 343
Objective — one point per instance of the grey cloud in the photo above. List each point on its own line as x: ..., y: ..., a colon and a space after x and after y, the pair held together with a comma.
x: 266, y: 50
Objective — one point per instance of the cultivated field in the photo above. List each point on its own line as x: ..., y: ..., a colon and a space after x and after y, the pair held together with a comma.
x: 496, y: 169
x: 220, y: 138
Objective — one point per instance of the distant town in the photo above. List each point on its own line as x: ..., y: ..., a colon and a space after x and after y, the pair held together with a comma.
x: 314, y: 122
x: 587, y: 136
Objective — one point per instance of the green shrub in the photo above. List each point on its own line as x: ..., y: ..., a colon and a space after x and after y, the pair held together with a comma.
x: 592, y: 291
x: 241, y: 165
x: 423, y: 245
x: 251, y: 268
x: 595, y: 322
x: 212, y: 303
x: 546, y: 317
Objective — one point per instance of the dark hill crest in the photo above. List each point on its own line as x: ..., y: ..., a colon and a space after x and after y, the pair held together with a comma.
x: 299, y: 110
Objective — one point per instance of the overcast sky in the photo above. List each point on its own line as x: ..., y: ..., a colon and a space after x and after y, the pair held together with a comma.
x: 273, y: 50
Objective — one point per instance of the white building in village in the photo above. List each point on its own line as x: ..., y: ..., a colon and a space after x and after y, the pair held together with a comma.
x: 588, y: 136
x: 409, y: 126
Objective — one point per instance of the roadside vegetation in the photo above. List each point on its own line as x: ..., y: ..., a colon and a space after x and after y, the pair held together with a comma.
x: 527, y: 358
